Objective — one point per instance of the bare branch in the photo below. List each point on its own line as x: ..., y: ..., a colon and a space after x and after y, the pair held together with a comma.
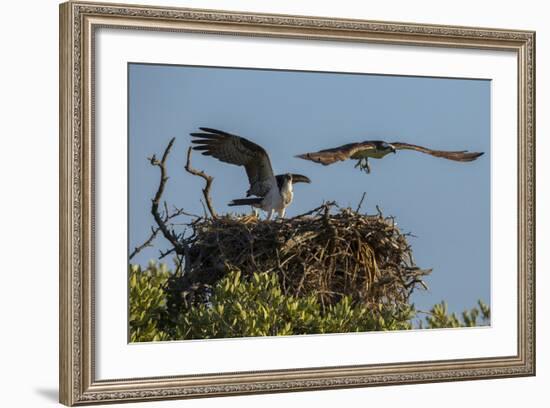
x: 146, y: 244
x: 208, y: 184
x: 164, y: 254
x: 169, y: 235
x: 181, y: 211
x: 154, y: 231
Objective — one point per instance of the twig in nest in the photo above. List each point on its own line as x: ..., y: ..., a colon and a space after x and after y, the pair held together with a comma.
x: 361, y: 202
x: 328, y: 204
x: 208, y: 184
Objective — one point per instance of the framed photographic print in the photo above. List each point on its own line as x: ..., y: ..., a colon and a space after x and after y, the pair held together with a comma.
x: 260, y: 203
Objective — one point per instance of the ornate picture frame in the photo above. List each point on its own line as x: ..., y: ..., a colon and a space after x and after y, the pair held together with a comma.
x: 79, y: 22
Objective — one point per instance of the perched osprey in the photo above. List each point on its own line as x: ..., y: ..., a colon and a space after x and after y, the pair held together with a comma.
x: 376, y: 149
x: 273, y: 193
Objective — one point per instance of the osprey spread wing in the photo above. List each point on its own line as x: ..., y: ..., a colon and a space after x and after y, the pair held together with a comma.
x: 273, y: 193
x: 237, y: 150
x: 376, y: 149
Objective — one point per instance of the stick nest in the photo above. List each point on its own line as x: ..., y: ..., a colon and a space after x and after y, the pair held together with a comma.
x: 326, y: 252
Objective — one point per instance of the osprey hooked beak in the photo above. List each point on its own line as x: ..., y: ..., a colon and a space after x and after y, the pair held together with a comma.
x: 299, y: 178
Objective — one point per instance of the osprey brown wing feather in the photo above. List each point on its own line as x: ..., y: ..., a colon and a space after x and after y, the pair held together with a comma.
x: 459, y: 155
x: 236, y: 150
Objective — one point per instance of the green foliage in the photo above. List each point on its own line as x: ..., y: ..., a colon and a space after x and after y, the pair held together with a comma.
x: 147, y: 302
x: 439, y: 317
x: 240, y: 308
x: 256, y: 306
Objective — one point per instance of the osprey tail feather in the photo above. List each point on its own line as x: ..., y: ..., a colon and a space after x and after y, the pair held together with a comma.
x: 245, y: 201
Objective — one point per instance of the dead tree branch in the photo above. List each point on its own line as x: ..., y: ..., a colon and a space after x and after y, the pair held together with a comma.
x: 208, y: 184
x: 168, y: 234
x: 147, y: 243
x: 155, y: 230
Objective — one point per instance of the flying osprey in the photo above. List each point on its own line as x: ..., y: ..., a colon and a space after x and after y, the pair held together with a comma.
x: 273, y: 193
x: 376, y: 149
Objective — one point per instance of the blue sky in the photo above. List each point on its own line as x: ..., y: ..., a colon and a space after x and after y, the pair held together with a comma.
x: 445, y: 204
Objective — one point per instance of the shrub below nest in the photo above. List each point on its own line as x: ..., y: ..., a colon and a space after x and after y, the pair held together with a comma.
x: 329, y: 255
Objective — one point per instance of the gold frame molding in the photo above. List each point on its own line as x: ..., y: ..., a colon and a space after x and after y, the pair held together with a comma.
x: 78, y: 22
